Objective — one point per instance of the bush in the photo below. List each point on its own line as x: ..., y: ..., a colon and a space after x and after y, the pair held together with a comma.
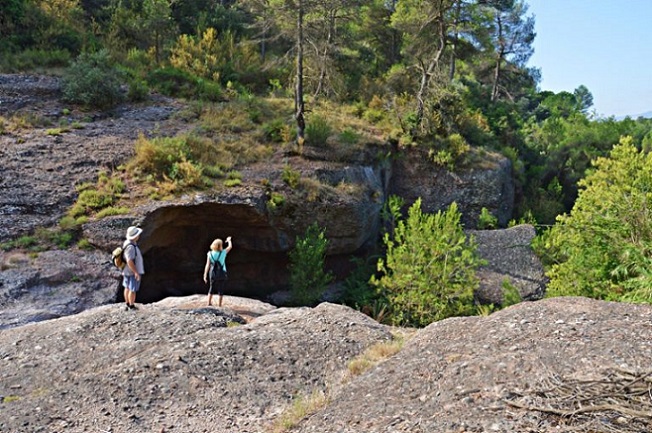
x: 602, y: 249
x: 275, y: 201
x: 33, y: 59
x: 487, y: 221
x: 451, y: 151
x: 273, y: 131
x: 181, y: 84
x: 172, y: 82
x: 428, y: 273
x: 349, y: 137
x: 92, y: 81
x: 308, y: 280
x: 138, y: 90
x: 317, y: 131
x: 93, y: 198
x: 358, y: 293
x: 290, y: 177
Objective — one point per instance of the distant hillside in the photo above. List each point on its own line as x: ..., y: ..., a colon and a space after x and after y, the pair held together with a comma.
x: 646, y: 115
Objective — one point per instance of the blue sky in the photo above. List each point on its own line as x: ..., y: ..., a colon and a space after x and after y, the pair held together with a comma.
x: 605, y: 45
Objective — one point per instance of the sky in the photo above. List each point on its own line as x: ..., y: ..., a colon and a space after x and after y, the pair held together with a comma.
x: 605, y: 45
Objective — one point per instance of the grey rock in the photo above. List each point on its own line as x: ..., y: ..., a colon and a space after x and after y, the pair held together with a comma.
x: 510, y: 259
x: 180, y: 367
x: 489, y: 186
x: 53, y: 284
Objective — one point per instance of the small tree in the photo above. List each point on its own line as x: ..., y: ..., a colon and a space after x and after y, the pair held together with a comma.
x: 93, y: 81
x: 603, y: 248
x: 429, y: 271
x: 308, y: 280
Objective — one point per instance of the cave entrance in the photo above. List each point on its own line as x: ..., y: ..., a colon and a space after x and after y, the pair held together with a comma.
x: 176, y: 239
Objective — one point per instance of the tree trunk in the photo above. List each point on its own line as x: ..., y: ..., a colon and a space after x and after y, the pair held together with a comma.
x: 499, y: 60
x: 497, y: 72
x: 426, y: 75
x: 456, y: 37
x: 325, y: 53
x: 299, y: 107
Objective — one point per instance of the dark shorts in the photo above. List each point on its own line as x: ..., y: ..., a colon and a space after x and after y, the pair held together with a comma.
x: 216, y: 287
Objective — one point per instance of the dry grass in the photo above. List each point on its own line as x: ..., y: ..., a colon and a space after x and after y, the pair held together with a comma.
x: 228, y: 136
x: 302, y: 406
x: 23, y: 121
x: 14, y: 260
x: 378, y: 353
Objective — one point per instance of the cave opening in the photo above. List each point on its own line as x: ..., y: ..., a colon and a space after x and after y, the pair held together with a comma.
x: 175, y: 241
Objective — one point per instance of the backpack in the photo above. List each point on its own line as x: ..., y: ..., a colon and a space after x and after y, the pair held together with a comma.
x: 118, y: 257
x: 218, y: 273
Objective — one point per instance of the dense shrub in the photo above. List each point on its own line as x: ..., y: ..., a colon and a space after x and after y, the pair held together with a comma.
x: 92, y: 81
x: 486, y: 220
x: 428, y: 273
x: 308, y: 279
x: 178, y: 83
x: 33, y: 59
x: 602, y: 249
x: 318, y: 130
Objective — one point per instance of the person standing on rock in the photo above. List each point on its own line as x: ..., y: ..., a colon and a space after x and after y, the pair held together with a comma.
x: 216, y: 257
x: 135, y: 268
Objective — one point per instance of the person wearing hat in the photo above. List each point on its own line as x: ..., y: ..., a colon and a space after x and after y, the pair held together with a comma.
x: 135, y: 268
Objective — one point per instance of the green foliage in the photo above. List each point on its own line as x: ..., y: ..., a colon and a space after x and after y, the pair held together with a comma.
x: 85, y: 244
x: 450, y: 152
x: 291, y: 177
x: 275, y: 201
x: 138, y: 90
x: 358, y: 293
x: 487, y: 221
x: 234, y: 178
x: 92, y: 81
x: 602, y: 249
x: 391, y: 213
x: 274, y: 130
x: 93, y: 198
x: 511, y: 295
x: 181, y: 84
x: 349, y: 137
x: 112, y: 211
x: 23, y: 242
x: 429, y: 270
x: 34, y: 59
x: 308, y: 279
x: 317, y: 131
x: 43, y: 239
x: 167, y: 158
x: 60, y: 239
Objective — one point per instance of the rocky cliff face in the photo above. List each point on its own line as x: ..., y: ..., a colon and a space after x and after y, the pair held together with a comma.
x: 487, y: 185
x: 40, y: 172
x: 564, y: 364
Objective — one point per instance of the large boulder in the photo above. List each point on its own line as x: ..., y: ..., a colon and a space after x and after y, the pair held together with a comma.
x: 175, y: 367
x: 53, y: 284
x: 556, y: 365
x: 510, y: 261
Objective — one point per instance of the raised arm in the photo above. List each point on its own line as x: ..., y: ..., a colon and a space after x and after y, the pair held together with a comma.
x: 229, y: 244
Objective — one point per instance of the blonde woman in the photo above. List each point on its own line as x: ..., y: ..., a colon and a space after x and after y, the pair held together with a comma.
x: 215, y: 269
